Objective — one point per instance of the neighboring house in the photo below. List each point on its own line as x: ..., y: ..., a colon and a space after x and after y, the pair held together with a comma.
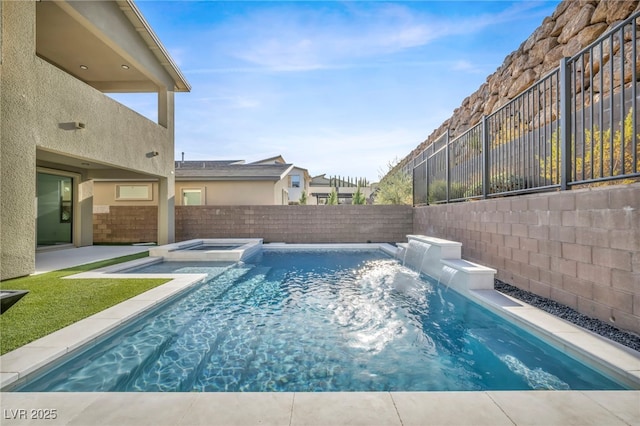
x: 60, y: 131
x: 216, y: 183
x: 206, y: 183
x: 297, y: 181
x: 321, y: 186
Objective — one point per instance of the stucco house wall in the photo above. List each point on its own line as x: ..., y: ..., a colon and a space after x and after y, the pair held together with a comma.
x: 239, y: 193
x: 38, y: 107
x: 104, y: 194
x: 296, y: 192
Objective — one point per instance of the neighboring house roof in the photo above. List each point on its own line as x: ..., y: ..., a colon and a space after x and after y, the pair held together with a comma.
x: 319, y: 180
x: 234, y: 172
x: 278, y: 159
x: 207, y: 164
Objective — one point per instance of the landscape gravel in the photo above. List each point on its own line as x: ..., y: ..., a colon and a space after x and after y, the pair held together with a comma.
x: 602, y: 328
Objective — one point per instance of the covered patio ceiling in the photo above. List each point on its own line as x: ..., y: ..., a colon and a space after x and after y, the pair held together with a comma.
x: 91, y: 168
x: 65, y: 38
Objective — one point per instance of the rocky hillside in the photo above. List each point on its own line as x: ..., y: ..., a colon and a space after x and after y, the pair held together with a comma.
x: 573, y: 26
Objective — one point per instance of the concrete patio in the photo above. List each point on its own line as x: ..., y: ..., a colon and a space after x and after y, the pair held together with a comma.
x: 54, y: 259
x: 383, y: 408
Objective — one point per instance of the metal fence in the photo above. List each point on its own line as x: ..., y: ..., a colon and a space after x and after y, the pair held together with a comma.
x: 575, y: 126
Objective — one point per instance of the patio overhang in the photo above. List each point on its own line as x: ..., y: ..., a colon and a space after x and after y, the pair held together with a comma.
x: 113, y: 49
x: 89, y: 168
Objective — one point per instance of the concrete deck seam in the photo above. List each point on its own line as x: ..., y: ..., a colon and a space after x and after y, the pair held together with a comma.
x: 588, y: 395
x: 396, y: 408
x: 186, y: 413
x: 293, y: 402
x: 500, y: 408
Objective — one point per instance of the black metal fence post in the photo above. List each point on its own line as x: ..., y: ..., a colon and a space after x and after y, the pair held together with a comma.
x: 485, y: 157
x: 446, y: 164
x: 565, y: 124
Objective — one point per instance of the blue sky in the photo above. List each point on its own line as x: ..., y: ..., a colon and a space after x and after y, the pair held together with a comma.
x: 341, y: 88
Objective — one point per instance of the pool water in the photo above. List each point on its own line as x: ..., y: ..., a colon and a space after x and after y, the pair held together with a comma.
x: 319, y: 321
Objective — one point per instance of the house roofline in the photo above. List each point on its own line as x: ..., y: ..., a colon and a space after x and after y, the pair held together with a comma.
x: 138, y: 21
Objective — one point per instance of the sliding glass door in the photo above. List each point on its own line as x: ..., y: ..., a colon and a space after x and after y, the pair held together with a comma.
x: 55, y: 209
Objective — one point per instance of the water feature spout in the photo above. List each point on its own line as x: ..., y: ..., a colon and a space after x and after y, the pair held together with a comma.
x: 425, y: 257
x: 446, y: 276
x: 415, y: 255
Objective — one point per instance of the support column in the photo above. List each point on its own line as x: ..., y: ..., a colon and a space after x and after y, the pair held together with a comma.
x: 166, y: 185
x: 83, y: 227
x: 166, y: 211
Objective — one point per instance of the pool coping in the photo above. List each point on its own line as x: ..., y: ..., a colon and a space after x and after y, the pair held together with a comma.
x: 183, y: 251
x: 15, y: 367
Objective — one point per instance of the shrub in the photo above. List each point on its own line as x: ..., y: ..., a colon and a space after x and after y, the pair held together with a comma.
x: 505, y: 182
x: 438, y: 191
x: 358, y: 197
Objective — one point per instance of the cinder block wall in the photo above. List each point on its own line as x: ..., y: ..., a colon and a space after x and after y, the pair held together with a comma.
x: 579, y: 247
x: 296, y: 224
x: 126, y: 224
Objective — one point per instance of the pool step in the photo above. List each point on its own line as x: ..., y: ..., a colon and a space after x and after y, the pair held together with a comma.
x: 134, y: 352
x: 177, y: 367
x: 235, y: 347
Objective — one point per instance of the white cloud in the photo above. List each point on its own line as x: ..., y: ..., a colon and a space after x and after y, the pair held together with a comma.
x: 280, y: 37
x: 292, y: 39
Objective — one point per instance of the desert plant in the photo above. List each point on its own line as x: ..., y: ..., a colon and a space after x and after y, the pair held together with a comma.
x: 505, y: 182
x: 474, y: 190
x: 395, y: 187
x: 438, y: 191
x: 358, y: 197
x: 333, y: 198
x: 603, y: 155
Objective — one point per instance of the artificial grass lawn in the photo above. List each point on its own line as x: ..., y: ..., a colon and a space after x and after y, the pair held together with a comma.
x: 53, y: 303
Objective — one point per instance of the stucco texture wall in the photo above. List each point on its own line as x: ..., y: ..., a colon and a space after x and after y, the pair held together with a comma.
x: 234, y: 192
x: 18, y: 159
x: 37, y: 104
x: 104, y: 194
x: 580, y: 248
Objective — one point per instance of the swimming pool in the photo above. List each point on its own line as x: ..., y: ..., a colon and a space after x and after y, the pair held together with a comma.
x: 319, y: 321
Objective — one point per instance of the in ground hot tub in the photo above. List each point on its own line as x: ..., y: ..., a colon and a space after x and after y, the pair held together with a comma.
x: 220, y: 249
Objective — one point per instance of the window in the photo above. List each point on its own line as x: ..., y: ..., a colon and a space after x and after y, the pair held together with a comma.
x: 133, y: 192
x: 295, y: 181
x: 192, y: 197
